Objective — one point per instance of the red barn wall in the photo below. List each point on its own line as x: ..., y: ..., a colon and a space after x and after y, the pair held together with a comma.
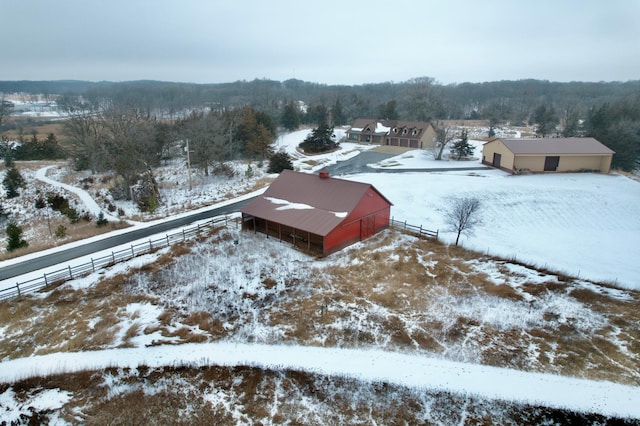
x: 348, y: 232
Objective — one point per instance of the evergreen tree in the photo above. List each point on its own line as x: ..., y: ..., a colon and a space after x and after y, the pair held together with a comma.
x: 279, y: 161
x: 337, y: 113
x: 13, y: 180
x: 290, y: 119
x: 317, y: 114
x: 618, y: 127
x: 14, y: 237
x: 320, y: 140
x: 546, y: 119
x: 462, y: 148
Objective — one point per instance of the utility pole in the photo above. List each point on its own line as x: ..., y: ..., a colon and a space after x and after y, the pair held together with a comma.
x: 189, y: 163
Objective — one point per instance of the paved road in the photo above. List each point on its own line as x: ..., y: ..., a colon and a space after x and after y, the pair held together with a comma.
x: 358, y: 164
x: 135, y: 234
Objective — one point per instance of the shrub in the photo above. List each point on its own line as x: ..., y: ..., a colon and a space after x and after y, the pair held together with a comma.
x: 61, y: 231
x: 61, y: 204
x: 223, y: 169
x: 40, y: 202
x: 278, y: 162
x: 101, y: 221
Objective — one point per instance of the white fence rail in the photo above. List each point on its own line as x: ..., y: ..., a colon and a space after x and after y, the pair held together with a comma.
x: 71, y: 272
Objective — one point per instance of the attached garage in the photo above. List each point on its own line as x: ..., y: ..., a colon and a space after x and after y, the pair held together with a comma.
x: 317, y: 212
x: 547, y: 155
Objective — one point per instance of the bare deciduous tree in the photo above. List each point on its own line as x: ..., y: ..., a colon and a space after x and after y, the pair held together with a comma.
x: 5, y: 108
x: 207, y: 140
x: 463, y: 215
x: 128, y: 143
x: 83, y: 129
x: 444, y: 135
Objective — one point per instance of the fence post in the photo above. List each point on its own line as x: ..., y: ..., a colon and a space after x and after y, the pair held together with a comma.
x: 93, y: 265
x: 421, y: 230
x: 18, y: 288
x: 45, y: 279
x: 133, y: 253
x: 167, y: 240
x: 70, y: 274
x: 437, y: 232
x: 184, y: 238
x: 150, y: 245
x: 113, y: 257
x: 405, y: 224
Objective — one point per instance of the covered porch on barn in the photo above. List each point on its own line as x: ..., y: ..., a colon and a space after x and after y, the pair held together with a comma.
x: 298, y: 238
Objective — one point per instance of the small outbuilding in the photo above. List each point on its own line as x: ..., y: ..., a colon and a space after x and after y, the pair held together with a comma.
x: 548, y: 155
x: 317, y: 212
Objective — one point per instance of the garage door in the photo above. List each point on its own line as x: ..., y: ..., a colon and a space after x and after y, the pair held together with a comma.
x: 551, y: 163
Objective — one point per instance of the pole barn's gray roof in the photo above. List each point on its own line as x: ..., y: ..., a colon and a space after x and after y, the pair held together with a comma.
x: 308, y: 202
x: 586, y: 146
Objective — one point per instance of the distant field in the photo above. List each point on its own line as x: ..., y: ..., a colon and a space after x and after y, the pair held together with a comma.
x: 42, y: 126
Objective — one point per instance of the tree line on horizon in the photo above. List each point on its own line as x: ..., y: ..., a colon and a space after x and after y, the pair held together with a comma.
x: 609, y: 111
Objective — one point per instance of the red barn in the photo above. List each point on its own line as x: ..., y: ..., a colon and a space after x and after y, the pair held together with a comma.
x: 317, y: 212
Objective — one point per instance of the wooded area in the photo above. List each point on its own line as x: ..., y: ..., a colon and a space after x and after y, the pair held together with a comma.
x: 240, y: 119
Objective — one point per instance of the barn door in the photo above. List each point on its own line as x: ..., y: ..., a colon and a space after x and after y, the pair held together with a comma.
x: 496, y: 159
x: 551, y: 163
x: 367, y: 227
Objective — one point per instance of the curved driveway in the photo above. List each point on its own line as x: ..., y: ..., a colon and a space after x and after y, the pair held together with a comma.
x: 358, y: 164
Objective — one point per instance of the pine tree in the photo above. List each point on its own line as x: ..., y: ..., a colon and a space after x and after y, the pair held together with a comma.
x: 290, y: 116
x: 320, y: 140
x: 13, y: 180
x: 462, y: 148
x: 279, y: 161
x: 14, y: 237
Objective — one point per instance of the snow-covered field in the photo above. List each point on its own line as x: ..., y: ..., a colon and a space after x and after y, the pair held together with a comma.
x: 583, y: 225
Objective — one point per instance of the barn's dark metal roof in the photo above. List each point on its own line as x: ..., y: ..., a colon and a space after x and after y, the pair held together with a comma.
x: 587, y: 146
x: 308, y: 202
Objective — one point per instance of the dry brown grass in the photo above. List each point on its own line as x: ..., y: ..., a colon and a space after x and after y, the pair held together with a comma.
x: 233, y: 395
x: 42, y: 239
x: 65, y: 319
x: 41, y: 126
x: 383, y: 296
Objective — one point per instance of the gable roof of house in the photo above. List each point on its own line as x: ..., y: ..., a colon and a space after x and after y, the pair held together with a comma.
x: 308, y: 202
x: 387, y: 126
x: 555, y: 146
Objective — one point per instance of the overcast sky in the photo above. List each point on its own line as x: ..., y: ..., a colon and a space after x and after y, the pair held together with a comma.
x: 328, y: 41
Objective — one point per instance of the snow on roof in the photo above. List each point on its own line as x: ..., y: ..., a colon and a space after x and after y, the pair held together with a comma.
x: 380, y: 128
x: 287, y: 205
x: 308, y: 202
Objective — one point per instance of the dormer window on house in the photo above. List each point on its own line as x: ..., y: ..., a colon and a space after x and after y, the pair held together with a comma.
x: 404, y: 131
x: 395, y: 130
x: 367, y: 129
x: 414, y: 132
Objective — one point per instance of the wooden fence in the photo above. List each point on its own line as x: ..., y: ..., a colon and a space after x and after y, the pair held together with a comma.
x: 422, y: 232
x: 71, y: 272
